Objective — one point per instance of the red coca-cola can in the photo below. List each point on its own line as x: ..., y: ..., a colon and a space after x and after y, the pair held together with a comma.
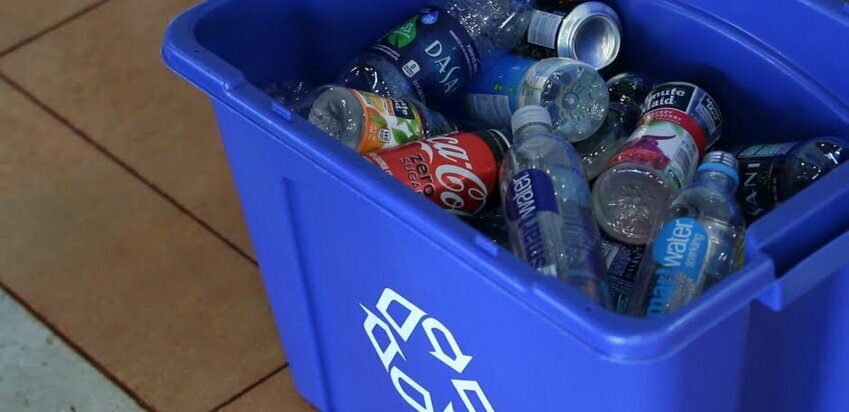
x: 458, y: 171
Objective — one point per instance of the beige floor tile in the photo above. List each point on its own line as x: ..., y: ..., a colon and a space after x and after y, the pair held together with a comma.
x: 20, y: 19
x: 103, y: 72
x: 166, y: 307
x: 275, y: 394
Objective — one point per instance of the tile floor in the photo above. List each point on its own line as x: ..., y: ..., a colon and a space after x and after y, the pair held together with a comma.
x: 129, y: 277
x: 41, y: 373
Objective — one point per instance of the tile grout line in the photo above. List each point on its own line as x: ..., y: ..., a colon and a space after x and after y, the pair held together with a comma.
x: 39, y: 34
x: 100, y: 368
x: 127, y: 168
x: 250, y: 387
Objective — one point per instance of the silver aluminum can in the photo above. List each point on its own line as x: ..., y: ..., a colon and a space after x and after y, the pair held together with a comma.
x: 591, y: 33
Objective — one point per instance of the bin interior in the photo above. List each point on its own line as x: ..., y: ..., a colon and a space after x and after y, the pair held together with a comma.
x: 763, y: 96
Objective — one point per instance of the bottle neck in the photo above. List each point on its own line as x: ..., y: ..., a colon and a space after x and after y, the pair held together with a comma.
x: 716, y: 180
x: 532, y: 129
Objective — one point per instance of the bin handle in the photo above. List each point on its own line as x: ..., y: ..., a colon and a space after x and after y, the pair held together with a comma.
x: 808, y: 273
x: 791, y: 232
x: 182, y: 53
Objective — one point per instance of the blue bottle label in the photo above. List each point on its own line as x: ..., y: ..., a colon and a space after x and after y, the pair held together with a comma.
x: 679, y: 252
x: 492, y: 94
x: 623, y: 263
x: 434, y: 52
x: 531, y: 191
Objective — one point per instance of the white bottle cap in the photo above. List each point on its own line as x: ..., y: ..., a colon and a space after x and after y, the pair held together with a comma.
x: 530, y: 114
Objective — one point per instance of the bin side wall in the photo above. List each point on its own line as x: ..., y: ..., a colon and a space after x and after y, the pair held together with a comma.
x: 363, y: 300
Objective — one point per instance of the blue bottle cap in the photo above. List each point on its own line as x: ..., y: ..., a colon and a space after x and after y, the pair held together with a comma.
x: 722, y: 162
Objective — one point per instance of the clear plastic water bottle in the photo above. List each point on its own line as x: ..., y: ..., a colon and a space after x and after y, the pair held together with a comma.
x: 547, y: 203
x: 432, y: 55
x: 366, y: 122
x: 574, y: 94
x: 698, y: 243
x: 773, y: 173
x: 679, y: 122
x: 627, y: 92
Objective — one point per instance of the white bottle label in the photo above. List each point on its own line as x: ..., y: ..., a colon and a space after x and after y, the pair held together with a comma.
x: 543, y: 29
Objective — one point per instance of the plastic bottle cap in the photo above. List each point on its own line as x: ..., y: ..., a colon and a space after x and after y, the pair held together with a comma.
x: 721, y: 157
x: 722, y: 162
x: 530, y: 114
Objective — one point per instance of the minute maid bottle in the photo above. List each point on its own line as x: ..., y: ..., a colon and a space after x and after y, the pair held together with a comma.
x: 679, y: 122
x: 573, y: 93
x: 432, y: 55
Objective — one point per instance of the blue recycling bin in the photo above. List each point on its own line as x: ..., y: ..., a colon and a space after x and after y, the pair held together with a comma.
x: 385, y: 302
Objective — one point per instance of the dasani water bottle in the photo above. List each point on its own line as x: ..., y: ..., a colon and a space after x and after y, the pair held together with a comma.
x: 432, y: 55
